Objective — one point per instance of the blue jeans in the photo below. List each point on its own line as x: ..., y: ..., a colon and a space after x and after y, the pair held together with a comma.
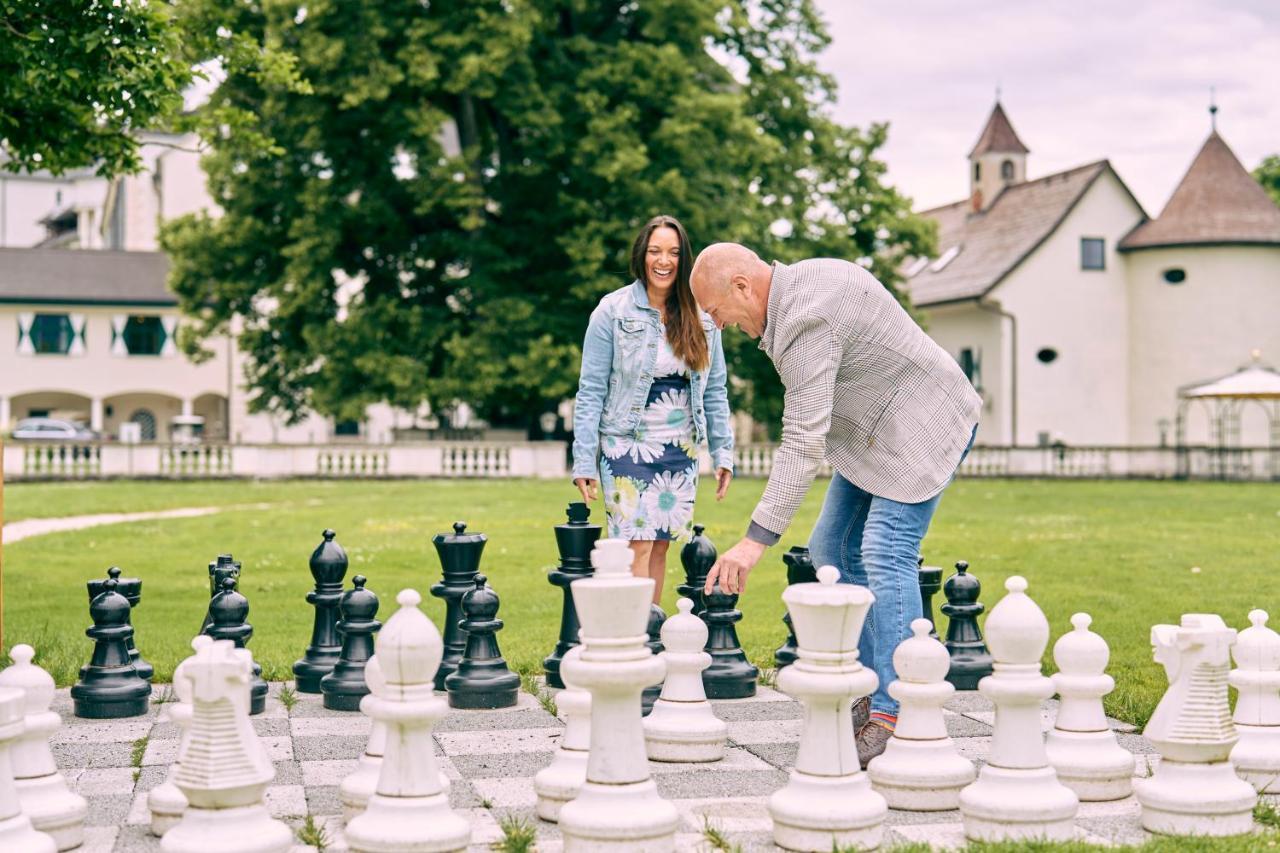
x: 875, y: 542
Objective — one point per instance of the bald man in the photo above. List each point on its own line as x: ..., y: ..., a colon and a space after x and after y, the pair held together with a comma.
x: 868, y: 392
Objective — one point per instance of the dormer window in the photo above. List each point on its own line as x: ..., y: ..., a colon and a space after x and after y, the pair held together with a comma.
x: 917, y: 266
x: 1006, y: 170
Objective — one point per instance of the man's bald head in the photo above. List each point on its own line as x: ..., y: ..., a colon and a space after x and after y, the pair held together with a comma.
x: 719, y: 263
x: 731, y: 283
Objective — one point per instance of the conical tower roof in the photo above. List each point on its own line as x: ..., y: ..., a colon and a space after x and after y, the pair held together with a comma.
x: 1216, y: 202
x: 998, y: 135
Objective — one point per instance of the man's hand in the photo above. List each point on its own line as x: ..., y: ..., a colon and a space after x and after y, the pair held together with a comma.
x: 588, y: 488
x: 734, y: 565
x: 723, y: 476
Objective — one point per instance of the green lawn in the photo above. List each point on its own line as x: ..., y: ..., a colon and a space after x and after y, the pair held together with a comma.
x: 1123, y: 551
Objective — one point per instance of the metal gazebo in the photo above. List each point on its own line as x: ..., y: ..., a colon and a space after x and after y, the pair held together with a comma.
x: 1224, y: 399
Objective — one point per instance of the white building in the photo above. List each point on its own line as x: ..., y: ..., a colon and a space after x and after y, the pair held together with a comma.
x: 1079, y: 318
x: 87, y: 324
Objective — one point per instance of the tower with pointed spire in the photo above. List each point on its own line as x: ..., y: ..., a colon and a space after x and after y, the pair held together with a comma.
x: 998, y: 160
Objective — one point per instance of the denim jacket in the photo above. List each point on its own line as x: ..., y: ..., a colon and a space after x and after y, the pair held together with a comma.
x: 618, y: 357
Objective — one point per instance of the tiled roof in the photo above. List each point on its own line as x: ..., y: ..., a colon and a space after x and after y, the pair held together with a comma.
x: 993, y: 242
x: 84, y: 277
x: 1216, y: 202
x: 998, y: 135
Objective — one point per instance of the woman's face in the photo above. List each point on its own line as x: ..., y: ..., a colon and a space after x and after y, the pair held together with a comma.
x: 662, y: 258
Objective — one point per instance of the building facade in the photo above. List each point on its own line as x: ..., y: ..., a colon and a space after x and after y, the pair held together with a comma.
x: 1078, y: 317
x: 88, y: 327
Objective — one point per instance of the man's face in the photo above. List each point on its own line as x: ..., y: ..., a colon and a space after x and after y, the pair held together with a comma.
x: 730, y: 306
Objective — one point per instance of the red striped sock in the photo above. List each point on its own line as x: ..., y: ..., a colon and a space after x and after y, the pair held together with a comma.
x: 889, y: 721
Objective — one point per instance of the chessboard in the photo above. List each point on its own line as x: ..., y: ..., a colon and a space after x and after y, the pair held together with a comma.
x: 491, y: 758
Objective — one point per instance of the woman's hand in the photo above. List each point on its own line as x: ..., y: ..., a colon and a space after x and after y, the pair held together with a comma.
x: 723, y: 476
x: 587, y: 486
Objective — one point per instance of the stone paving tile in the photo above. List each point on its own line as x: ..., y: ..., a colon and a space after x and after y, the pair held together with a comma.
x: 506, y: 792
x: 491, y: 756
x: 765, y: 731
x: 488, y: 766
x: 327, y: 748
x: 757, y: 711
x: 326, y: 772
x: 714, y: 783
x: 491, y: 742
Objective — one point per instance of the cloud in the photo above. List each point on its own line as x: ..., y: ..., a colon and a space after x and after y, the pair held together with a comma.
x: 1080, y: 81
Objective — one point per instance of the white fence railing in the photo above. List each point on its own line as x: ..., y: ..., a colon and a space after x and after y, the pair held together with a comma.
x: 546, y: 459
x: 1151, y: 463
x: 93, y: 460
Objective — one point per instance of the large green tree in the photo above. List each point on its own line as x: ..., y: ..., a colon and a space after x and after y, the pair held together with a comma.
x: 78, y: 79
x: 1268, y: 174
x: 437, y: 216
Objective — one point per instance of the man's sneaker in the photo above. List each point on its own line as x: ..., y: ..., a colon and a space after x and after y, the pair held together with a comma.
x: 861, y: 713
x: 872, y: 740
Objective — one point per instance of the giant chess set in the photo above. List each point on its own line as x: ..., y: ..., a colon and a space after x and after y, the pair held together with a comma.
x: 652, y: 733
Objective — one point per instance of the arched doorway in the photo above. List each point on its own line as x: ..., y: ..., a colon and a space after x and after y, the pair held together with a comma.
x: 146, y: 422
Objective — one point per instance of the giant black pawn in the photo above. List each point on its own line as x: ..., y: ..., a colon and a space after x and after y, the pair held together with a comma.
x: 574, y: 539
x: 657, y: 616
x: 223, y: 567
x: 799, y: 570
x: 970, y: 660
x: 730, y: 675
x: 110, y: 687
x: 329, y: 568
x: 131, y: 589
x: 460, y: 559
x: 229, y: 610
x: 344, y: 687
x: 697, y: 557
x: 930, y: 578
x: 481, y: 679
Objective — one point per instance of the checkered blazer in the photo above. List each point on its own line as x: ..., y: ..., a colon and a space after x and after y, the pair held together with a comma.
x: 866, y: 389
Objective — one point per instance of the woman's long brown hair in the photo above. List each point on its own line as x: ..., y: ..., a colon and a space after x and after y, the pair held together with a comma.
x: 684, y: 328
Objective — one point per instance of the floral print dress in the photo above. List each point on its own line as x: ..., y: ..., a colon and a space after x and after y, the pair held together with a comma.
x: 650, y: 478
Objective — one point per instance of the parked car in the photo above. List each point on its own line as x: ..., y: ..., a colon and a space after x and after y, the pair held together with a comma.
x: 52, y: 429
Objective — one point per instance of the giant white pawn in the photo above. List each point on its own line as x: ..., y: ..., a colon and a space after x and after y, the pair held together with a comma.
x: 409, y: 810
x: 561, y: 780
x: 359, y: 785
x: 1256, y: 678
x: 42, y: 791
x: 1017, y: 795
x: 16, y: 831
x: 618, y: 807
x: 828, y: 801
x: 920, y: 769
x: 223, y: 770
x: 682, y: 725
x: 1082, y: 748
x: 1194, y: 789
x: 165, y: 801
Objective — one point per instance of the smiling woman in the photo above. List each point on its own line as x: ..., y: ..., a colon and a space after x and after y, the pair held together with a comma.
x: 652, y: 388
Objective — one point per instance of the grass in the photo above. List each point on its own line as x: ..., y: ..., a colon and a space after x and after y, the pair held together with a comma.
x: 288, y: 698
x: 136, y: 754
x: 139, y: 750
x: 716, y: 840
x: 530, y: 684
x: 1123, y: 551
x: 313, y: 834
x: 518, y: 835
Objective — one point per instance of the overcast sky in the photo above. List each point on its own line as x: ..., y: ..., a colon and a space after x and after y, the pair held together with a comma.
x: 1126, y: 80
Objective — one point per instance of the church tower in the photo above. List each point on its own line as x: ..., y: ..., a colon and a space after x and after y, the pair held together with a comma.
x: 998, y: 160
